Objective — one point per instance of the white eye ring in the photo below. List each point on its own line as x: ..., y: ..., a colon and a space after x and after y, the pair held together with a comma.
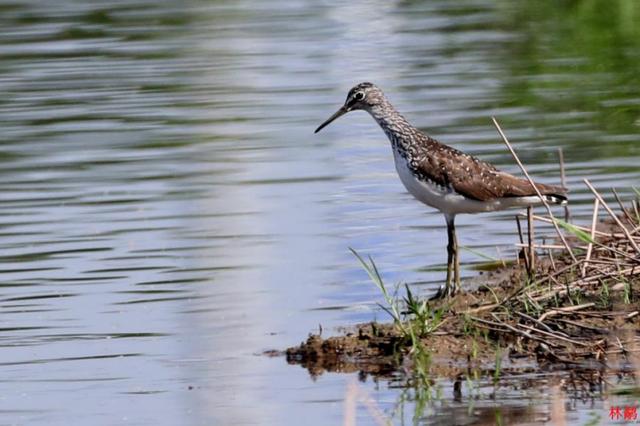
x: 358, y: 96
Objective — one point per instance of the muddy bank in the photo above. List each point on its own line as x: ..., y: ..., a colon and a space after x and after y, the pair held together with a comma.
x: 571, y: 312
x: 576, y: 336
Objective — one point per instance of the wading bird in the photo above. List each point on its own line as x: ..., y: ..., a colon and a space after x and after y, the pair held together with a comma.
x: 443, y: 177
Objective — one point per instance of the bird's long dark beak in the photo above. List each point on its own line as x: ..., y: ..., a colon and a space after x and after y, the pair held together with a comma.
x: 343, y: 110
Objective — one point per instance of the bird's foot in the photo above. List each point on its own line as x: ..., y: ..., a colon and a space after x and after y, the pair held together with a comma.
x: 444, y: 292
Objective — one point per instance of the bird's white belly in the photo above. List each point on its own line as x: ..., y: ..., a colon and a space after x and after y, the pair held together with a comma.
x: 446, y: 199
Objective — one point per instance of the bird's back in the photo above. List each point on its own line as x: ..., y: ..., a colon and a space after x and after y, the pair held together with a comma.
x: 472, y: 177
x: 455, y: 182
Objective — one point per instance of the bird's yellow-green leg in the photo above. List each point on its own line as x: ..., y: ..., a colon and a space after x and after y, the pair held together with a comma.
x: 447, y: 288
x: 452, y: 257
x: 456, y: 267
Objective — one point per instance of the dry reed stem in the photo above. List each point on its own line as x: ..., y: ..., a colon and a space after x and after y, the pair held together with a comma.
x: 553, y: 262
x: 540, y: 323
x: 532, y: 252
x: 482, y: 308
x: 586, y: 327
x: 613, y: 250
x: 611, y: 262
x: 582, y: 228
x: 557, y: 273
x: 609, y: 274
x: 547, y: 246
x: 592, y: 233
x: 557, y: 336
x: 547, y: 277
x: 501, y: 326
x: 557, y: 311
x: 613, y: 215
x: 610, y: 258
x: 624, y: 210
x: 546, y: 205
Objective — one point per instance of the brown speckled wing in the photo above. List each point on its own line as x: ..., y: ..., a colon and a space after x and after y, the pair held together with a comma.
x: 473, y: 178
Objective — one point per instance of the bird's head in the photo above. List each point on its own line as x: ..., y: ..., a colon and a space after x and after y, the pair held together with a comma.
x: 361, y: 96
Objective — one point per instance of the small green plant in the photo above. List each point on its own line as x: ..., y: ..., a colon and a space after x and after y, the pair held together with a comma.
x: 493, y: 293
x: 471, y: 386
x: 419, y: 320
x: 573, y: 296
x: 426, y: 319
x: 605, y: 295
x: 575, y: 231
x: 468, y: 326
x: 576, y: 297
x: 474, y: 349
x: 531, y: 307
x: 393, y: 306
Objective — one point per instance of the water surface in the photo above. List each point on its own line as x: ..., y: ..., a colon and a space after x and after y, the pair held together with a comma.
x: 167, y: 214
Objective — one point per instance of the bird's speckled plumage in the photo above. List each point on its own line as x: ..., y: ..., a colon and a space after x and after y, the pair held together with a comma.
x: 445, y: 168
x: 443, y: 177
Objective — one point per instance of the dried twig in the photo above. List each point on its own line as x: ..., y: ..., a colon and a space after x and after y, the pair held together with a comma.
x: 557, y: 336
x: 546, y: 205
x: 582, y: 228
x: 594, y: 220
x: 624, y: 210
x: 613, y: 215
x: 585, y: 326
x: 553, y: 262
x: 565, y: 310
x: 540, y: 323
x: 511, y: 328
x: 546, y: 246
x: 558, y: 272
x: 532, y: 253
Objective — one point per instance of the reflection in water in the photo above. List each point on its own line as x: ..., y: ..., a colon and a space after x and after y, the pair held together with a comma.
x: 166, y: 212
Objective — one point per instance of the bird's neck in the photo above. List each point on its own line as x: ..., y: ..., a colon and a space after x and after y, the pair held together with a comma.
x: 400, y: 132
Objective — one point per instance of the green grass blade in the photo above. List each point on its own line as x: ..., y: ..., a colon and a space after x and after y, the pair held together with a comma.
x: 480, y: 254
x: 578, y: 233
x: 371, y: 271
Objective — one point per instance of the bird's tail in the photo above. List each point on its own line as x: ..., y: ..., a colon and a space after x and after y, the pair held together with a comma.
x: 559, y: 199
x: 553, y: 194
x: 518, y: 187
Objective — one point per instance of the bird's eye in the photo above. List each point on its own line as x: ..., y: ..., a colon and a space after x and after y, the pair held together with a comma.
x: 358, y: 96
